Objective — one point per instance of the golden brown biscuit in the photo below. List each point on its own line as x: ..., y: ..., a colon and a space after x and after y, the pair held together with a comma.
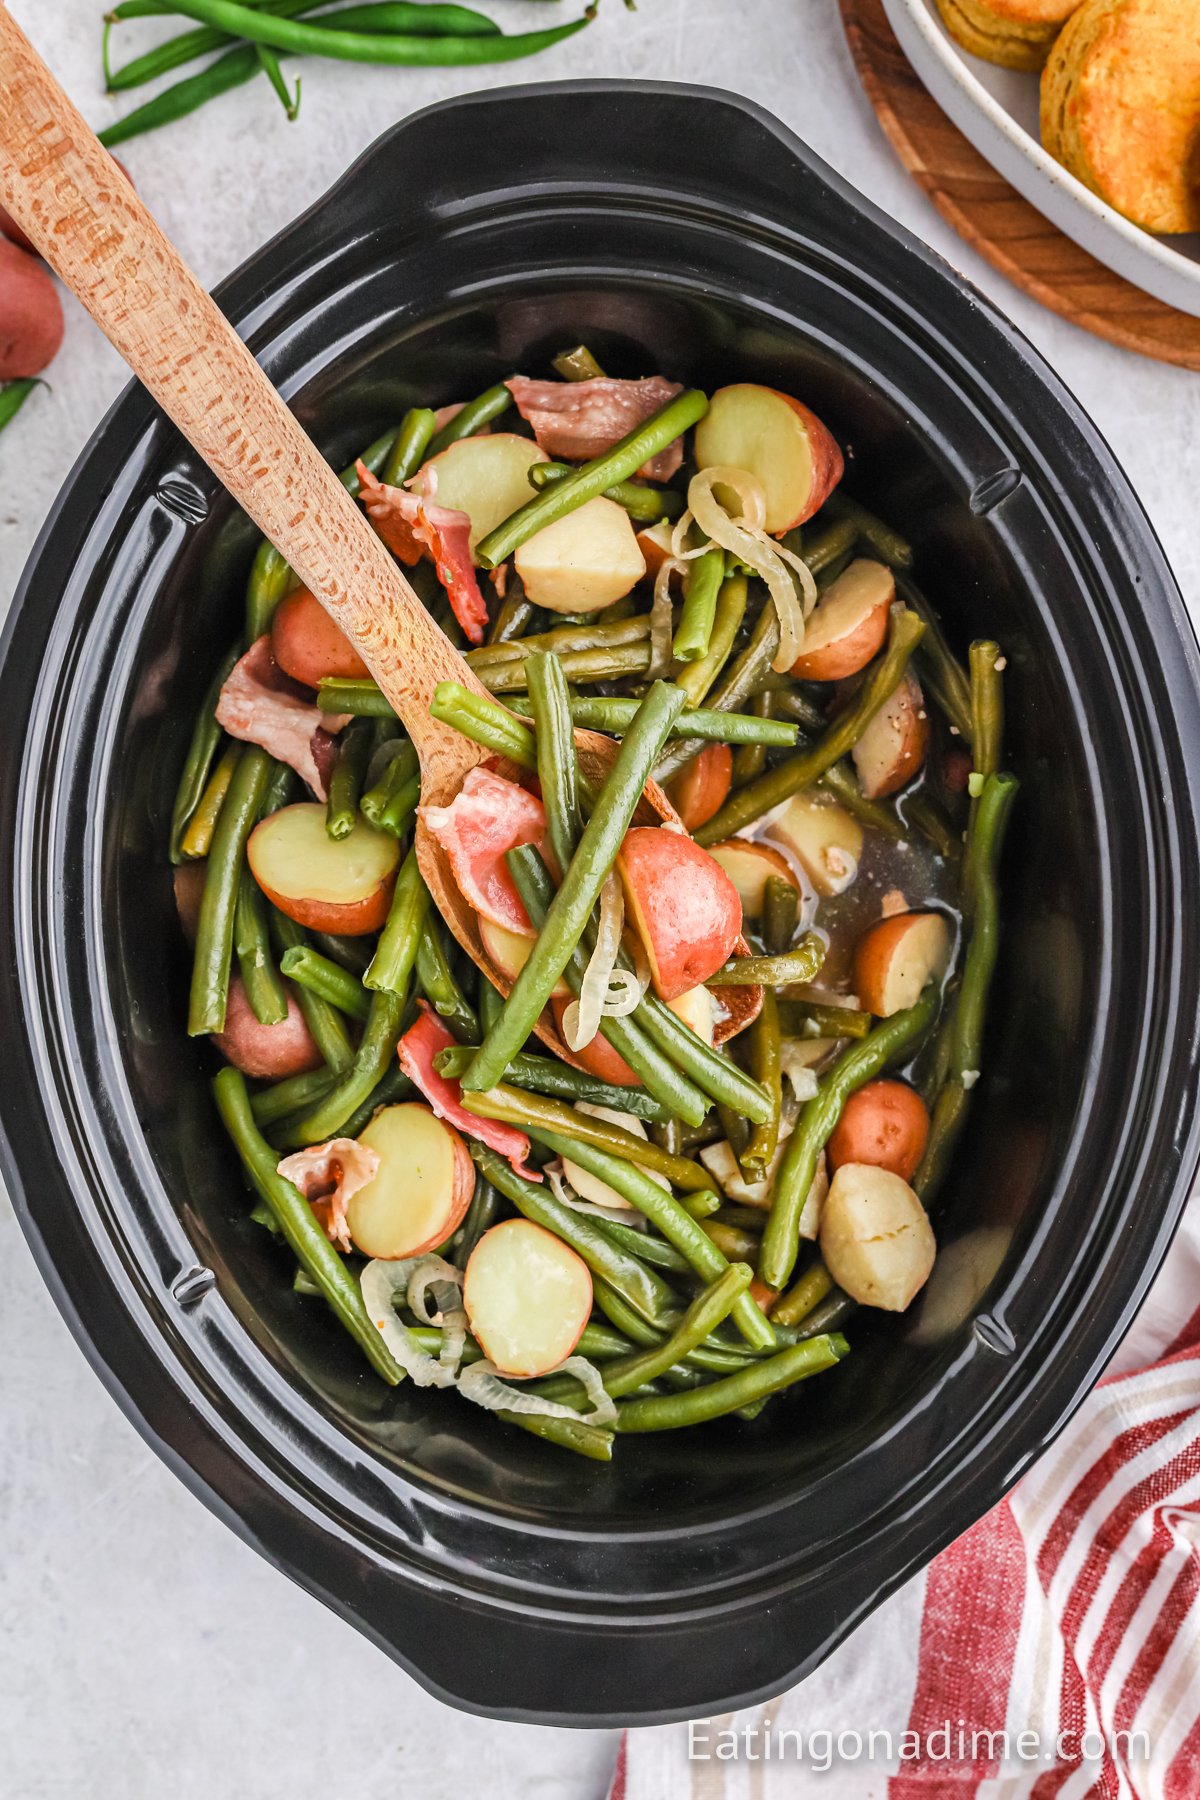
x: 1121, y: 107
x: 1017, y: 34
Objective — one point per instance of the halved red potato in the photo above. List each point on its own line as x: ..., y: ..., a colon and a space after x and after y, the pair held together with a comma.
x: 876, y: 1239
x: 682, y: 904
x: 749, y: 865
x: 344, y: 887
x: 885, y: 1123
x: 421, y: 1190
x: 270, y: 1052
x: 584, y: 561
x: 589, y: 1186
x: 892, y: 748
x: 848, y: 624
x: 510, y: 953
x: 701, y: 788
x: 776, y: 439
x: 485, y: 477
x: 598, y: 1058
x: 824, y: 838
x: 654, y: 542
x: 189, y: 879
x: 307, y: 644
x: 528, y: 1296
x: 896, y: 959
x: 697, y: 1009
x: 487, y: 818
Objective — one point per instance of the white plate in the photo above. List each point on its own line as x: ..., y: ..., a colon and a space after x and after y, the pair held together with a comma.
x: 997, y: 109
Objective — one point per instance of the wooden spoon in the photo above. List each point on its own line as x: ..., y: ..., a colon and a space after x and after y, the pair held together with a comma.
x: 66, y: 192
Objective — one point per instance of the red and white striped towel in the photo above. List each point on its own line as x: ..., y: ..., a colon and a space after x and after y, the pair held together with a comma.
x: 1070, y: 1614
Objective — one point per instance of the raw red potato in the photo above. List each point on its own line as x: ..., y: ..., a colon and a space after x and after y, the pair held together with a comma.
x: 876, y: 1240
x: 343, y: 887
x: 700, y: 789
x: 509, y: 953
x: 582, y: 419
x: 270, y: 1052
x: 527, y: 1296
x: 189, y: 879
x: 31, y: 315
x: 261, y: 705
x: 329, y: 1175
x: 307, y: 645
x: 892, y: 748
x: 885, y: 1123
x: 683, y: 905
x: 824, y: 838
x: 598, y: 1058
x: 487, y: 478
x: 488, y: 817
x: 412, y: 526
x: 416, y: 1050
x: 777, y: 440
x: 848, y: 624
x: 421, y: 1190
x: 749, y: 866
x: 897, y: 958
x: 584, y: 561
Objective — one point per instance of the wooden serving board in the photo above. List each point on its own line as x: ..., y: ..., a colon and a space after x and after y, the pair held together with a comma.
x: 993, y: 218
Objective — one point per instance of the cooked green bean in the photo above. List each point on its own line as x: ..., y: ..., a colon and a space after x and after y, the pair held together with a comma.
x: 411, y: 446
x: 924, y: 813
x: 987, y: 706
x: 206, y: 736
x: 756, y: 1382
x: 345, y: 784
x: 197, y: 839
x: 560, y: 1081
x: 808, y: 1018
x: 514, y: 1107
x: 603, y: 664
x: 298, y: 1223
x: 396, y: 952
x: 491, y: 404
x: 812, y: 1287
x: 780, y: 914
x: 326, y: 1025
x: 515, y: 614
x: 841, y: 783
x: 698, y: 678
x: 858, y: 1064
x: 393, y: 783
x: 360, y: 696
x: 829, y: 545
x: 218, y: 905
x: 645, y: 1244
x: 887, y: 544
x: 590, y: 635
x: 733, y: 1241
x: 800, y: 771
x: 348, y: 952
x: 284, y: 1097
x: 836, y: 1310
x: 765, y: 1047
x: 482, y: 1214
x: 702, y: 584
x: 437, y: 982
x: 309, y: 969
x: 577, y: 364
x: 602, y: 713
x: 645, y: 505
x: 801, y: 965
x: 485, y: 722
x: 13, y: 395
x: 357, y: 1081
x: 749, y: 760
x: 557, y: 763
x: 251, y: 942
x: 712, y: 1073
x: 942, y: 675
x: 591, y: 478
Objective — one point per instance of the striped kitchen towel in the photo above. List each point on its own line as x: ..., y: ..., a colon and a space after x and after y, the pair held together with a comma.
x: 1052, y: 1653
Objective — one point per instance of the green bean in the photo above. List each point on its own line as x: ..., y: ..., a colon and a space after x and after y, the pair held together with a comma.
x: 206, y: 736
x: 697, y: 678
x: 932, y: 821
x: 562, y: 639
x: 485, y: 722
x: 309, y: 969
x: 13, y: 395
x: 543, y: 1076
x: 702, y: 584
x: 604, y: 713
x: 646, y: 505
x: 591, y: 478
x: 557, y: 763
x: 183, y: 97
x: 513, y: 1107
x: 801, y: 965
x: 325, y: 1024
x: 268, y: 62
x: 780, y: 913
x: 765, y: 1049
x: 797, y: 1016
x: 812, y: 1287
x: 411, y: 446
x: 482, y: 1214
x: 393, y: 1085
x: 491, y: 1004
x: 218, y: 905
x: 887, y: 544
x: 260, y: 978
x: 345, y: 784
x: 472, y: 417
x: 362, y: 697
x: 733, y: 1241
x: 643, y: 1289
x: 987, y: 706
x: 393, y: 783
x: 348, y: 952
x: 436, y: 980
x: 281, y: 784
x: 860, y: 1063
x: 515, y: 615
x: 392, y: 964
x: 197, y: 839
x: 298, y: 1224
x: 832, y: 1313
x: 749, y: 760
x: 667, y: 1216
x: 965, y: 1042
x: 357, y: 1081
x: 577, y: 665
x: 283, y: 1097
x: 841, y: 784
x: 712, y: 1073
x: 270, y: 579
x: 830, y: 544
x: 943, y: 676
x: 572, y: 905
x: 780, y: 783
x: 568, y: 1434
x: 644, y: 1244
x: 756, y: 1382
x: 577, y: 365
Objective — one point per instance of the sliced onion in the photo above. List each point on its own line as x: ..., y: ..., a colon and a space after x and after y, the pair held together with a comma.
x: 566, y: 1195
x: 382, y: 1283
x: 662, y: 633
x: 625, y: 991
x: 747, y: 540
x: 800, y: 1073
x: 581, y: 1019
x: 481, y: 1384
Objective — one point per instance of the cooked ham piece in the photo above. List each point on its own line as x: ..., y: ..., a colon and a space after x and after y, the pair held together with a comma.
x: 412, y: 525
x: 488, y: 817
x: 417, y: 1049
x: 327, y: 1175
x: 581, y: 419
x: 261, y: 705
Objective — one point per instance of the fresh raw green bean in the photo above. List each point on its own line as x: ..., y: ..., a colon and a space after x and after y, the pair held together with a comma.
x: 218, y: 905
x: 577, y: 365
x: 514, y: 1107
x: 808, y: 1018
x: 268, y: 62
x: 557, y: 763
x: 667, y: 1216
x: 602, y: 713
x: 362, y: 697
x: 942, y: 675
x: 298, y: 1223
x: 887, y: 544
x: 591, y: 478
x: 283, y: 1097
x: 697, y: 677
x: 861, y: 1062
x: 702, y: 584
x: 643, y: 1289
x: 392, y: 964
x: 644, y: 504
x: 812, y: 1287
x: 800, y: 771
x: 801, y: 965
x: 345, y: 784
x: 393, y: 784
x: 603, y: 664
x: 756, y: 1382
x: 841, y: 784
x: 485, y: 722
x: 780, y: 913
x: 251, y: 942
x: 206, y: 736
x: 556, y: 1079
x: 183, y: 97
x: 491, y: 404
x: 309, y: 969
x: 326, y: 1025
x: 572, y: 905
x: 436, y: 980
x: 13, y: 395
x: 411, y: 446
x: 765, y: 1048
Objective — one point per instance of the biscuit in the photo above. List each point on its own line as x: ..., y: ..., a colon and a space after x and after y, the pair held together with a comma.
x: 1120, y: 107
x: 1017, y: 34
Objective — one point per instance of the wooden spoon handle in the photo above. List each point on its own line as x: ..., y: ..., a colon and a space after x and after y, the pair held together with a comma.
x: 64, y: 189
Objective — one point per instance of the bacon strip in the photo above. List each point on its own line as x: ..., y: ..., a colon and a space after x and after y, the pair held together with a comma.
x: 417, y: 1049
x: 261, y: 705
x: 328, y: 1175
x: 411, y: 525
x: 582, y: 419
x: 488, y: 817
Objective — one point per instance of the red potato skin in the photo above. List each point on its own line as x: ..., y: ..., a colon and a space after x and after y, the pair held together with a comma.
x: 906, y: 710
x: 684, y: 907
x: 598, y: 1058
x: 848, y: 654
x: 307, y: 644
x: 189, y: 879
x: 700, y: 789
x: 885, y: 1123
x: 31, y: 315
x: 462, y: 1190
x: 268, y: 1051
x: 827, y: 463
x: 873, y: 954
x: 778, y: 863
x: 359, y: 920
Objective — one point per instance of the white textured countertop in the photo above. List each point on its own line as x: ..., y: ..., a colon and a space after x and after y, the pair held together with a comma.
x: 144, y: 1651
